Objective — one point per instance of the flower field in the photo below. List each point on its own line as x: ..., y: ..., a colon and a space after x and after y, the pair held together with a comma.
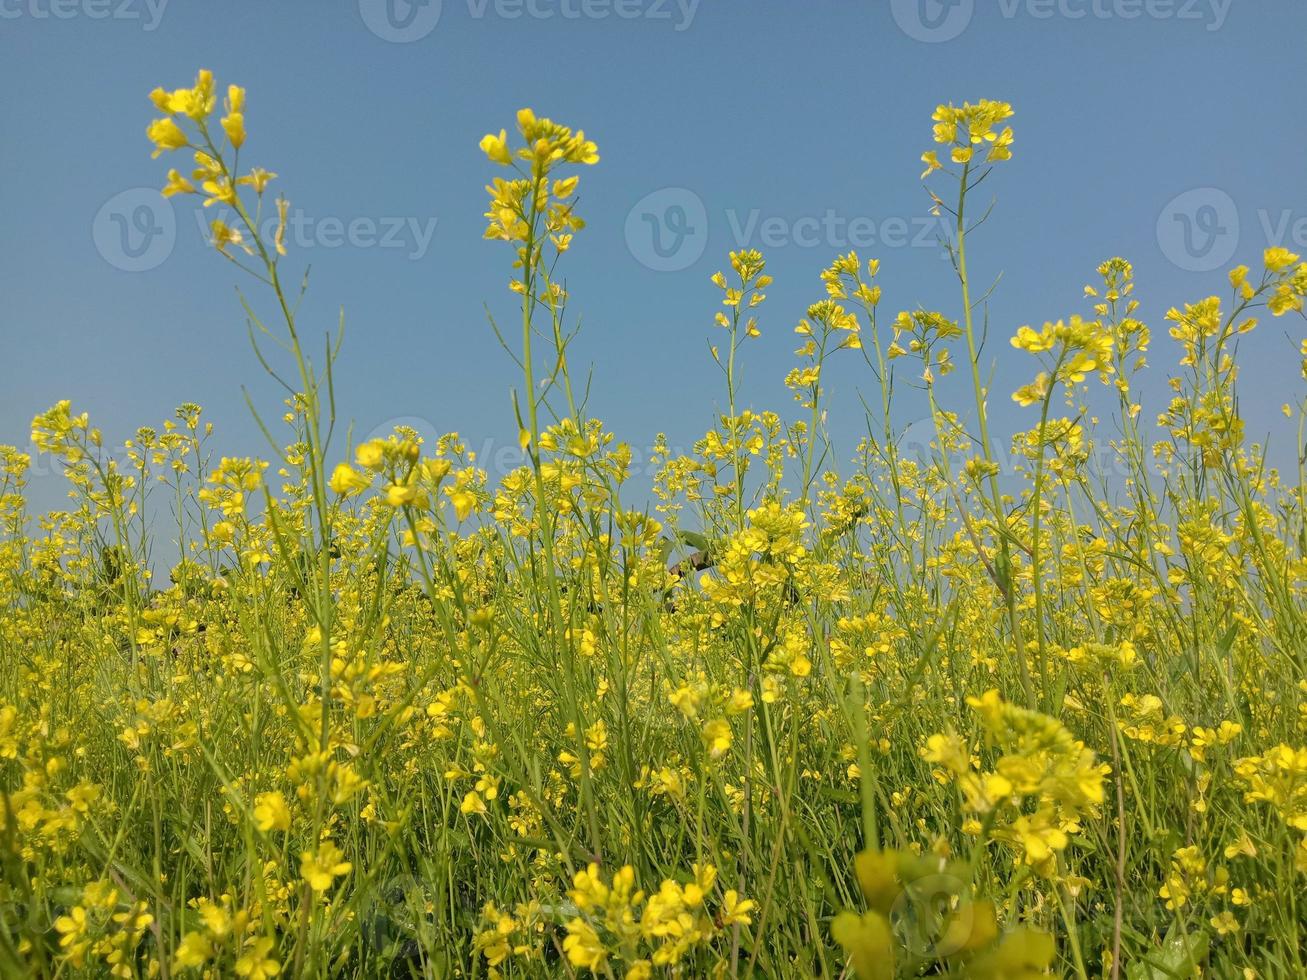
x: 785, y: 710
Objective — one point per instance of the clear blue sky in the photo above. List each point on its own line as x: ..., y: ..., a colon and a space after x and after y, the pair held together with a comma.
x: 794, y: 123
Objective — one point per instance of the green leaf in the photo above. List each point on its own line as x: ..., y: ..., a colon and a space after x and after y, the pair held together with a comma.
x: 1179, y: 958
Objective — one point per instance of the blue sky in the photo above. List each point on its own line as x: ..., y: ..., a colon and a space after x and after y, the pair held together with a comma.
x: 1161, y: 130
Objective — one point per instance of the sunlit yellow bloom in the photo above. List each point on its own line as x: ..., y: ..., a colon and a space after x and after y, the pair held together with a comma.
x: 271, y: 812
x: 255, y: 962
x: 583, y: 947
x: 322, y: 868
x: 496, y: 148
x: 165, y: 135
x: 346, y: 480
x: 177, y: 184
x: 195, y: 949
x: 233, y: 124
x: 1278, y: 257
x: 463, y: 503
x: 225, y: 235
x: 371, y: 455
x: 717, y: 737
